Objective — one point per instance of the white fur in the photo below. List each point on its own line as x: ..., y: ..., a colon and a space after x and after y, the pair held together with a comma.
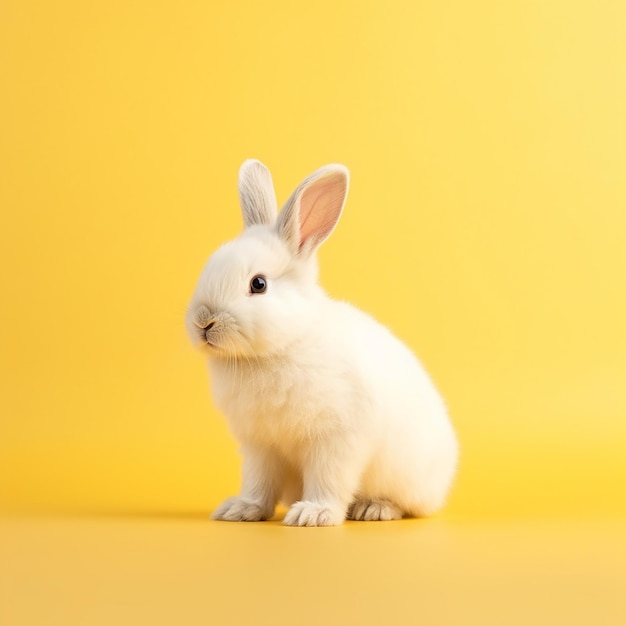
x: 334, y: 415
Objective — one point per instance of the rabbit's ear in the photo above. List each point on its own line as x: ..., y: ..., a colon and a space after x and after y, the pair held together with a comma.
x: 256, y: 194
x: 313, y: 210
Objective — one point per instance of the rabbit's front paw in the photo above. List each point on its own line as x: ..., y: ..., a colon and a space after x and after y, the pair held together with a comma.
x: 312, y: 514
x: 373, y: 511
x: 240, y: 510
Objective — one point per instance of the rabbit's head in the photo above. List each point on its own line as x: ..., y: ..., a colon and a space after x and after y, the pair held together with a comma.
x: 258, y: 293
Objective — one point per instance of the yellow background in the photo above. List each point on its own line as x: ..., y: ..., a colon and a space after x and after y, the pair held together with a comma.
x: 486, y: 225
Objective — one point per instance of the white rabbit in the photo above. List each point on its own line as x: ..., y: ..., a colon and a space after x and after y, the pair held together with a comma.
x: 334, y: 415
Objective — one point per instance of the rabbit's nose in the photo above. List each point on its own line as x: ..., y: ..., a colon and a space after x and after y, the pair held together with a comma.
x: 207, y: 333
x: 203, y: 318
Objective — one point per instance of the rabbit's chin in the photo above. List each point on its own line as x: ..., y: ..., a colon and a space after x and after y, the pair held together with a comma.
x: 231, y: 352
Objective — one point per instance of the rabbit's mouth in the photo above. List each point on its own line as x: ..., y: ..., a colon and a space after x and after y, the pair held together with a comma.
x: 208, y: 340
x: 211, y: 342
x: 209, y: 337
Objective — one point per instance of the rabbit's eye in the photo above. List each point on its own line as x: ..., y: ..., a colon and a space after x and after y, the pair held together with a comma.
x: 258, y: 285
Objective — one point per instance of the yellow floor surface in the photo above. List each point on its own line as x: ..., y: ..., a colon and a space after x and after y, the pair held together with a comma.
x: 185, y: 570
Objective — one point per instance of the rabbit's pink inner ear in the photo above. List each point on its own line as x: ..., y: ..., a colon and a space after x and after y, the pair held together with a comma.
x: 320, y: 208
